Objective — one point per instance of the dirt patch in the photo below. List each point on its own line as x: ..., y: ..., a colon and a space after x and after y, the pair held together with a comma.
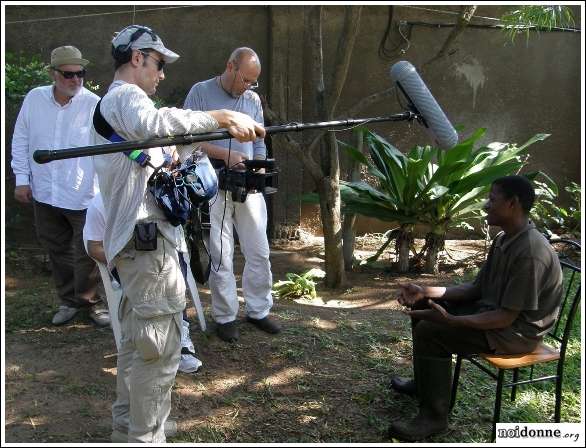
x: 323, y: 379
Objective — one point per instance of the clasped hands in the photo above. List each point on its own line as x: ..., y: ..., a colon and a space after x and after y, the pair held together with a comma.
x: 411, y: 294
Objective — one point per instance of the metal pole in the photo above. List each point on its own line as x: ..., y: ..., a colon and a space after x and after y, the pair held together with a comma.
x: 48, y: 155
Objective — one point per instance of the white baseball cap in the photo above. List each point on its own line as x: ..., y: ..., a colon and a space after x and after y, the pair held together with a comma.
x: 138, y: 37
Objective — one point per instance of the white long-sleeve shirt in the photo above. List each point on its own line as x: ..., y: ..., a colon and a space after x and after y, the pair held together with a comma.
x: 123, y: 182
x: 43, y: 123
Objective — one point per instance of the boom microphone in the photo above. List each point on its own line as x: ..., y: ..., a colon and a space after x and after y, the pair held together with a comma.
x: 425, y: 105
x: 48, y: 155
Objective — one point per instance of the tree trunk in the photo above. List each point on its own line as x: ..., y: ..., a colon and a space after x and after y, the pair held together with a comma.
x: 348, y: 232
x: 434, y: 243
x: 403, y: 247
x: 329, y: 198
x: 329, y: 201
x: 348, y: 240
x: 466, y: 14
x: 327, y: 175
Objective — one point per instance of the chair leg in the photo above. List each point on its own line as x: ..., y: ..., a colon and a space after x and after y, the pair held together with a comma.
x: 455, y: 381
x: 558, y: 392
x: 497, y: 402
x: 514, y: 388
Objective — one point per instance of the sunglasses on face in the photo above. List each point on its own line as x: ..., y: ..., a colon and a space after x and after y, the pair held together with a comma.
x: 160, y: 62
x: 70, y: 75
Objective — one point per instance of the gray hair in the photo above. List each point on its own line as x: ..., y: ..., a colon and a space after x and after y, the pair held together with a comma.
x: 240, y: 53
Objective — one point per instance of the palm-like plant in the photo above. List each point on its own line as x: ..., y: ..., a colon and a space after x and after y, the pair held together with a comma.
x: 399, y: 195
x: 466, y: 174
x: 429, y: 186
x: 540, y: 17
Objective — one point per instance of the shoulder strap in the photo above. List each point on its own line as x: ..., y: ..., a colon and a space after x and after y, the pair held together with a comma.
x: 103, y: 128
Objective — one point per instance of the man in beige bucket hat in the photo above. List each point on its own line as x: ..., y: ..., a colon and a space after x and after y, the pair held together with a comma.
x: 53, y: 117
x: 67, y: 55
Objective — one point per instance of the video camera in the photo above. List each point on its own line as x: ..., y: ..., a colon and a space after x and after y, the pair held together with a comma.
x: 252, y: 180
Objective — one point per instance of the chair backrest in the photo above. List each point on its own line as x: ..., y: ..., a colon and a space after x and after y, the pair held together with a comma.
x: 569, y: 255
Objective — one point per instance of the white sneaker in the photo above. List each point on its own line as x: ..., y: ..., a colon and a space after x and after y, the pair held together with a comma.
x: 64, y: 315
x: 185, y: 338
x: 189, y: 362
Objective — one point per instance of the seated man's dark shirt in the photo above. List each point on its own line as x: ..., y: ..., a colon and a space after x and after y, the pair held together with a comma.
x: 523, y: 273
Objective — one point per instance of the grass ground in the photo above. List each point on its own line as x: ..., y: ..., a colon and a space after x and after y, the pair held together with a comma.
x: 323, y: 379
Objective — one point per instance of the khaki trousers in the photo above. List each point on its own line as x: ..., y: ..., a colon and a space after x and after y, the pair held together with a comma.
x: 150, y: 346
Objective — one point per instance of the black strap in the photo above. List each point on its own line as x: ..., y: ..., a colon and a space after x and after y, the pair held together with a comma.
x: 101, y: 126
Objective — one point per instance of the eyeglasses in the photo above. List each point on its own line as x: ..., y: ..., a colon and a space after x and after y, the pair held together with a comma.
x: 70, y: 75
x: 251, y: 84
x: 160, y: 62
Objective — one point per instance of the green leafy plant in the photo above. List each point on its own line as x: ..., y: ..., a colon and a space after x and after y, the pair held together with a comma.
x: 440, y: 189
x: 552, y: 218
x: 544, y: 17
x: 23, y: 73
x: 297, y: 286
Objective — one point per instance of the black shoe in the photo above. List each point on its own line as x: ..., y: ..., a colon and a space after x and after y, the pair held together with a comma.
x: 265, y: 324
x: 404, y: 386
x: 228, y: 332
x: 417, y: 428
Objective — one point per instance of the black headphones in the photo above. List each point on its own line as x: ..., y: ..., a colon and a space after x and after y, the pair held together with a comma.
x: 122, y: 53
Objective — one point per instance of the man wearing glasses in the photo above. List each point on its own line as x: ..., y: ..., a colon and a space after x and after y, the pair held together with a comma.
x: 233, y: 90
x: 139, y: 241
x: 59, y: 116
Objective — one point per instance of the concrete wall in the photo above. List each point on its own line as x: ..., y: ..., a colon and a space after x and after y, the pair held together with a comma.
x: 514, y: 90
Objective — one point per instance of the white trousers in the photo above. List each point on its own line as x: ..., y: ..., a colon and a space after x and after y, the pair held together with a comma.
x: 250, y: 220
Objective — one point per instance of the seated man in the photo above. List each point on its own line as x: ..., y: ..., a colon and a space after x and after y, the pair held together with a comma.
x: 509, y: 307
x: 93, y: 234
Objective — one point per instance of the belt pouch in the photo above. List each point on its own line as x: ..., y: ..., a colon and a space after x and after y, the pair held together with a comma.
x: 145, y: 236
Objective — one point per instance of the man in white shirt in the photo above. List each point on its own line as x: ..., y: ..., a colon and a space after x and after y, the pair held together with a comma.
x: 52, y: 117
x: 139, y: 241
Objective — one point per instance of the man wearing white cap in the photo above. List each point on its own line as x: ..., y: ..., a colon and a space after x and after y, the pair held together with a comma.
x: 52, y: 117
x: 139, y: 241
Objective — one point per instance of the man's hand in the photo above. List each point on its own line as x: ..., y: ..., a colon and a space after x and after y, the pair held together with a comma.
x: 242, y: 127
x: 23, y: 194
x: 409, y: 294
x: 95, y: 249
x: 436, y: 313
x: 235, y: 160
x: 221, y: 153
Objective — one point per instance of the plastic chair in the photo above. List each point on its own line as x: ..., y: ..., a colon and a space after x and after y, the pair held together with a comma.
x: 544, y: 353
x: 113, y: 297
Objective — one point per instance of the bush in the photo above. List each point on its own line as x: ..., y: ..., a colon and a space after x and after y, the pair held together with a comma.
x: 551, y: 218
x: 23, y: 73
